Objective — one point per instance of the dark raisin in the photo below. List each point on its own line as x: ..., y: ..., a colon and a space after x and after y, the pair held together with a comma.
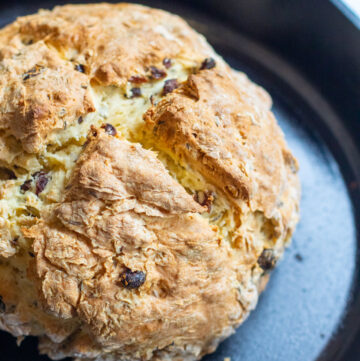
x: 80, y: 68
x: 7, y: 174
x: 36, y: 70
x: 205, y: 199
x: 157, y: 73
x: 110, y: 129
x: 80, y: 120
x: 93, y: 132
x: 135, y: 92
x: 167, y: 63
x: 31, y: 255
x: 2, y: 305
x: 41, y: 180
x: 170, y: 85
x: 137, y: 79
x: 267, y: 260
x: 132, y: 279
x: 26, y: 186
x: 26, y: 76
x: 208, y: 63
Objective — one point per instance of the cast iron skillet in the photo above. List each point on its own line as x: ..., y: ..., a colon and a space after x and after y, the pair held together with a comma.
x: 307, y: 55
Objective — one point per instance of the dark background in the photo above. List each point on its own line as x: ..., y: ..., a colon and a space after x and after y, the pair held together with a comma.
x: 321, y: 40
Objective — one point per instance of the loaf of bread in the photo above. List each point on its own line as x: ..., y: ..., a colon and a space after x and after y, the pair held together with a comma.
x: 146, y: 189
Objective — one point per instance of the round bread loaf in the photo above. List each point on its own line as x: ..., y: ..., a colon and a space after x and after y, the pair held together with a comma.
x: 146, y: 188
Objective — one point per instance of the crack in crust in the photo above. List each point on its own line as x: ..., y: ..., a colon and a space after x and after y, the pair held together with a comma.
x: 227, y: 134
x: 41, y: 56
x: 40, y: 92
x: 122, y: 210
x: 116, y: 216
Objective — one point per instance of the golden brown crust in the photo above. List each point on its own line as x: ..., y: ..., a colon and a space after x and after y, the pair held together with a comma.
x: 117, y: 218
x: 131, y: 39
x: 125, y: 258
x: 232, y: 141
x: 117, y: 170
x: 40, y: 92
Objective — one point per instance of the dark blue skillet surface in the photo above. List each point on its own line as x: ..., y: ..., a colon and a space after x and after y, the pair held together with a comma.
x: 310, y: 309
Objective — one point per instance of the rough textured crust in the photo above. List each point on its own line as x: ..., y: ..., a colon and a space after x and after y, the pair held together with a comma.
x: 111, y: 51
x: 226, y: 134
x: 115, y: 210
x: 40, y: 92
x: 151, y: 236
